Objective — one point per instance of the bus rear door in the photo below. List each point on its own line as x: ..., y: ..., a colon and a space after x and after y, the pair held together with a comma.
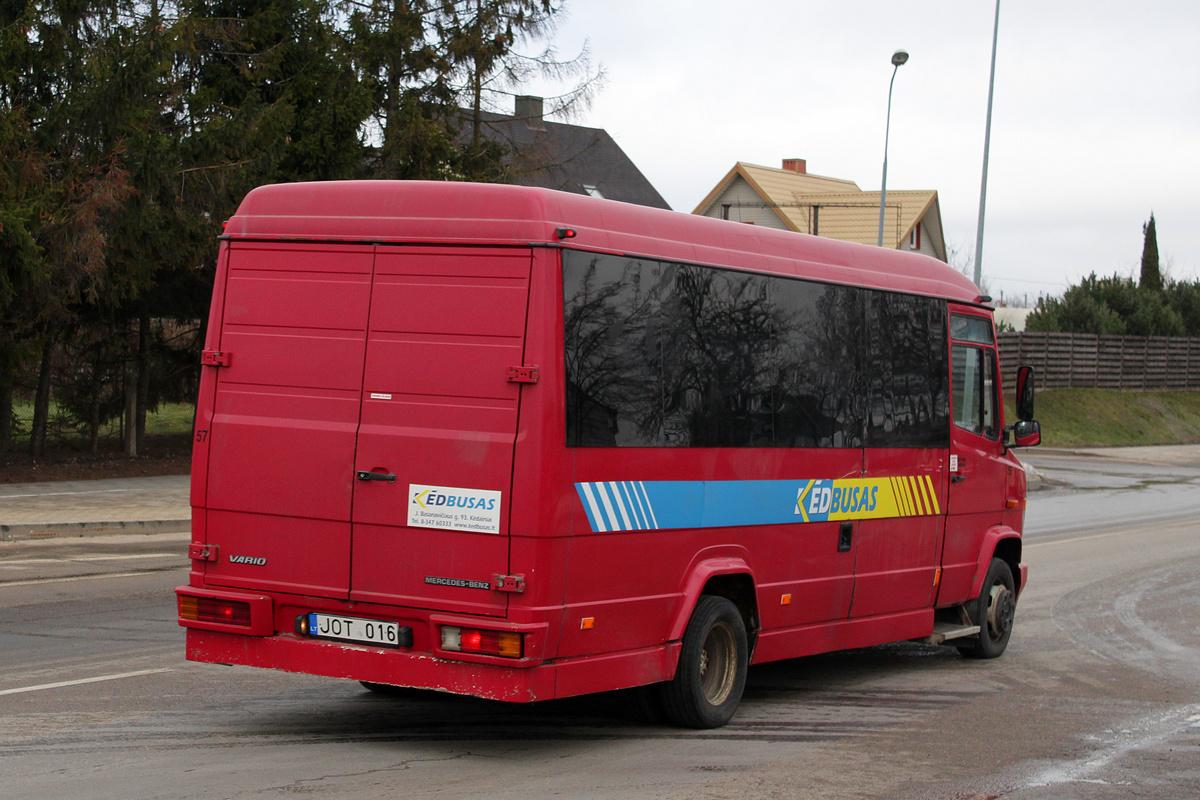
x: 274, y: 504
x: 363, y: 423
x: 433, y: 467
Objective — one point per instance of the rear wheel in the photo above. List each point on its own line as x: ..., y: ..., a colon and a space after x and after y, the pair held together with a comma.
x: 711, y: 675
x: 993, y: 612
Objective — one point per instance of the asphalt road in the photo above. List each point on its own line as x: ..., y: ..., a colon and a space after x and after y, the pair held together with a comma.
x: 1097, y: 697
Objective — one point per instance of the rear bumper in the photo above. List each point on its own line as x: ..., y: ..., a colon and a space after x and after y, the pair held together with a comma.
x: 375, y: 665
x: 269, y: 642
x: 547, y: 681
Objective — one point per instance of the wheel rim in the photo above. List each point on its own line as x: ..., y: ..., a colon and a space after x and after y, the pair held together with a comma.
x: 1001, y: 609
x: 718, y: 664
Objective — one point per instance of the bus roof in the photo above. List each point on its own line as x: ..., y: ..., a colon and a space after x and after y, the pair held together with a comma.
x: 474, y: 213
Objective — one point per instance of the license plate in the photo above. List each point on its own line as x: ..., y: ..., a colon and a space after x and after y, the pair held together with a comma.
x: 353, y: 629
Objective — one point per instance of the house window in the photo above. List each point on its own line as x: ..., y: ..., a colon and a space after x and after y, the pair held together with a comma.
x: 914, y: 237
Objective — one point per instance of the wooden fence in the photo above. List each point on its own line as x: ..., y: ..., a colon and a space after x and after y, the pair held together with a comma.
x: 1087, y: 361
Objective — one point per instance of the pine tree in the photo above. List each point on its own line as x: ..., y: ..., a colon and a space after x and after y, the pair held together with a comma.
x: 483, y: 38
x: 69, y: 181
x: 1151, y: 277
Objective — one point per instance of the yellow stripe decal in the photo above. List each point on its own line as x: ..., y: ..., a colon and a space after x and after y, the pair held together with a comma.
x: 919, y: 491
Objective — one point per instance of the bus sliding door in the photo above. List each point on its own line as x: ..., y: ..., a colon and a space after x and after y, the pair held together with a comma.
x: 907, y: 406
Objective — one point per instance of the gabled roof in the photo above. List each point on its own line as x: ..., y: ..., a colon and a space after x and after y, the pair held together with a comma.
x: 833, y: 207
x: 776, y: 183
x: 856, y: 219
x: 569, y: 158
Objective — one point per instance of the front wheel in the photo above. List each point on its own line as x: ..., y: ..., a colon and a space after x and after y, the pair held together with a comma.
x: 711, y: 675
x: 993, y: 612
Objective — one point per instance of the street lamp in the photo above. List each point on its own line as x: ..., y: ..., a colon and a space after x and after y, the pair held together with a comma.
x: 987, y: 140
x: 898, y: 58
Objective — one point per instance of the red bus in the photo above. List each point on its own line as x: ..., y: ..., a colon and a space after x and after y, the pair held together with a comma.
x: 523, y: 445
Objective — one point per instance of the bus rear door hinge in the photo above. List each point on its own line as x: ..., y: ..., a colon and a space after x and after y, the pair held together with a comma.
x: 204, y: 552
x: 215, y: 358
x: 508, y: 583
x: 522, y: 374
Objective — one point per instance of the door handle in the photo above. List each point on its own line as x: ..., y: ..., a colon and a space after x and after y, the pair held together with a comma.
x: 363, y: 475
x: 957, y: 478
x: 846, y: 537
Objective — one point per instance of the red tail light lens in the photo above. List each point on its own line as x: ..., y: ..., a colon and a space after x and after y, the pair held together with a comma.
x: 506, y: 644
x: 207, y: 609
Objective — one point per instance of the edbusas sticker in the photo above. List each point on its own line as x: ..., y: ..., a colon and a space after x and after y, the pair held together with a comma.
x: 456, y: 509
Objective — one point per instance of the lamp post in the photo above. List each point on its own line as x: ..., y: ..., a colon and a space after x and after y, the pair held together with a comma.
x: 987, y: 140
x: 898, y: 58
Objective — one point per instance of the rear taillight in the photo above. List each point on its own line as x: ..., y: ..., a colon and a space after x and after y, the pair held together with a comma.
x: 506, y: 644
x: 207, y: 609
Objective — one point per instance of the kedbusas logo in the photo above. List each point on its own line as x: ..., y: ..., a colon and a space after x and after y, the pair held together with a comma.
x: 434, y: 498
x: 826, y: 499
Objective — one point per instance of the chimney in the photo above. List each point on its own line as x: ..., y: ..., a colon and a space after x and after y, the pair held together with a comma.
x: 795, y: 165
x: 529, y: 111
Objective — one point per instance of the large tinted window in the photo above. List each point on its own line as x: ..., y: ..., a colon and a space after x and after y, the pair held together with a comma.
x: 661, y: 354
x: 907, y: 374
x: 818, y: 386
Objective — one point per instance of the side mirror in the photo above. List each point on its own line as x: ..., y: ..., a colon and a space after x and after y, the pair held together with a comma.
x: 1027, y: 433
x: 1025, y: 394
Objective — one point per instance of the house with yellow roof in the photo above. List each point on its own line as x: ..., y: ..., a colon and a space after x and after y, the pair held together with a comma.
x: 790, y: 198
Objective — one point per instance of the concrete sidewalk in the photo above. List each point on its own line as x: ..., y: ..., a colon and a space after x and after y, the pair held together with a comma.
x: 1175, y: 455
x: 88, y: 508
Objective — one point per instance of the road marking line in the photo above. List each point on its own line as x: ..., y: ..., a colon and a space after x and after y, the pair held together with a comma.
x: 70, y: 559
x: 1142, y: 734
x: 98, y: 679
x: 1077, y: 539
x: 62, y: 494
x: 1167, y: 523
x: 39, y: 581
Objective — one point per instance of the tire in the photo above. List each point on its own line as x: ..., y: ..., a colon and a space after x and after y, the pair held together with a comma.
x: 711, y: 675
x: 993, y: 611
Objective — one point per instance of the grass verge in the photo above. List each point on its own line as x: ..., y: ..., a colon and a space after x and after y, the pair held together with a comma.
x: 1109, y: 418
x: 168, y: 418
x: 68, y: 454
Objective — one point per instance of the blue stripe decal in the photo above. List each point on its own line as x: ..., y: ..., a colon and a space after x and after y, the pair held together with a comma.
x: 650, y: 505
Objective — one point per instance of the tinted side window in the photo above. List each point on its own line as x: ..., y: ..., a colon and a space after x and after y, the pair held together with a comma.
x: 668, y: 354
x: 818, y: 389
x: 966, y: 328
x: 717, y: 338
x: 908, y: 397
x: 611, y: 320
x: 673, y: 355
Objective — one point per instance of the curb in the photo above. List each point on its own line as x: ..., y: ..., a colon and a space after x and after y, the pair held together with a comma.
x: 1033, y: 478
x: 47, y: 530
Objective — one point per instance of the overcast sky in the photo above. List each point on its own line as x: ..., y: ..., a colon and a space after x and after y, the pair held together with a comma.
x: 1096, y: 118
